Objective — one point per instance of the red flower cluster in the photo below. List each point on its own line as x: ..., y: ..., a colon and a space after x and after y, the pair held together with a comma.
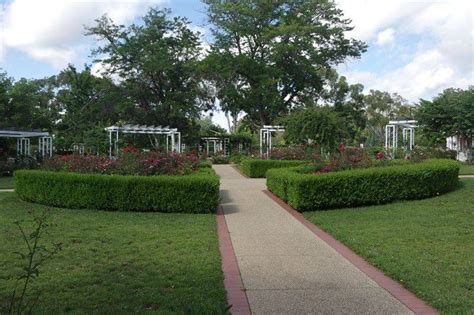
x: 300, y: 152
x: 131, y: 163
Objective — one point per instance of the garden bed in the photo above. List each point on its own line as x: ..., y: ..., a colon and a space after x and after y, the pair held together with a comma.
x: 366, y: 186
x: 258, y: 168
x: 116, y: 263
x: 194, y: 193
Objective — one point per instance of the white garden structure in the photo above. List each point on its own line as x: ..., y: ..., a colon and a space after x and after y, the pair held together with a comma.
x: 408, y: 133
x: 173, y: 136
x: 218, y: 144
x: 266, y: 138
x: 23, y: 141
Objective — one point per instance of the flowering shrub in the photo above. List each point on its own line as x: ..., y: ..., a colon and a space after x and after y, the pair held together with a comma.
x: 300, y: 152
x: 131, y: 163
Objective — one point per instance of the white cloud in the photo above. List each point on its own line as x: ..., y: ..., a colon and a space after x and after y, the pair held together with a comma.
x: 386, y: 36
x: 53, y: 30
x: 440, y: 31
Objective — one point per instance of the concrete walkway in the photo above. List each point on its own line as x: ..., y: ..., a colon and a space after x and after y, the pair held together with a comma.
x: 7, y: 190
x: 285, y: 268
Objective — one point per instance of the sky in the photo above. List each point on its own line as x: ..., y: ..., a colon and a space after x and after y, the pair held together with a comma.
x: 417, y: 48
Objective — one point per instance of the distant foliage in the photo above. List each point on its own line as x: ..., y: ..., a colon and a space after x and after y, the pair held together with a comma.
x: 321, y: 125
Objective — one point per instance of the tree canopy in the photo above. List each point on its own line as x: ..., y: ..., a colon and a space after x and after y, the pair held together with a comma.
x: 155, y: 63
x: 269, y: 56
x: 451, y: 113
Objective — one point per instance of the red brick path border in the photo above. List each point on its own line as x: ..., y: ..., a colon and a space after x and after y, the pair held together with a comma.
x: 391, y: 286
x: 233, y: 285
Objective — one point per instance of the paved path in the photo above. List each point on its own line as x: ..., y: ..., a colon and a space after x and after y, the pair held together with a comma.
x: 7, y: 190
x: 285, y: 268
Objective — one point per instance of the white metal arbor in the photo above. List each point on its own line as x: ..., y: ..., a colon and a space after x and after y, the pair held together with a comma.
x: 173, y: 136
x: 408, y: 133
x: 266, y: 138
x: 219, y: 144
x: 23, y: 141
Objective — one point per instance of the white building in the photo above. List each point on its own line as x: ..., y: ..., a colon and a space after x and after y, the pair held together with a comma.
x: 460, y: 145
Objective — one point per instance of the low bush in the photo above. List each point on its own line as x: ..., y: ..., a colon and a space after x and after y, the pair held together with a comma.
x: 220, y: 159
x: 196, y: 193
x: 365, y: 186
x: 8, y: 166
x: 205, y: 164
x: 131, y: 162
x: 257, y: 168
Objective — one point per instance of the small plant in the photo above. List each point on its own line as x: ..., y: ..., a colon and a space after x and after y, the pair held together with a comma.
x: 36, y: 256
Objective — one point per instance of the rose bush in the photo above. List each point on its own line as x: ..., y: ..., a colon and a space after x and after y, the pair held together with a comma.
x: 129, y: 163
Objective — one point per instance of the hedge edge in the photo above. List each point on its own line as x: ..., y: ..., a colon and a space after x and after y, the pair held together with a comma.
x: 258, y: 168
x: 360, y: 187
x: 197, y: 193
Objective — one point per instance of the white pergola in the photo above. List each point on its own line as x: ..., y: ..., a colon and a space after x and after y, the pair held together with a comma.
x: 173, y: 136
x: 408, y: 133
x: 23, y: 141
x: 266, y: 138
x: 219, y: 144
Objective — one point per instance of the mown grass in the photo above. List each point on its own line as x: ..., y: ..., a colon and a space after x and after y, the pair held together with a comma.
x: 6, y: 182
x: 466, y: 169
x: 427, y: 245
x: 118, y: 262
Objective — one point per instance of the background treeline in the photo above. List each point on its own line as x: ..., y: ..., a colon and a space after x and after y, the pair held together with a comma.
x: 269, y: 62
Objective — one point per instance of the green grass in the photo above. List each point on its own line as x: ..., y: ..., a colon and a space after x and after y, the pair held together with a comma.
x: 6, y: 182
x: 427, y: 245
x: 467, y: 169
x: 119, y: 262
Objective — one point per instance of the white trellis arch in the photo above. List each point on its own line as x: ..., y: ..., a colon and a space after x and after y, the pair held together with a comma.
x: 23, y: 141
x: 266, y: 138
x: 408, y: 133
x: 173, y: 136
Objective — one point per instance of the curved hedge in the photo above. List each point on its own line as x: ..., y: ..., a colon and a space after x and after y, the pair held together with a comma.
x: 359, y: 187
x: 197, y: 193
x: 258, y: 168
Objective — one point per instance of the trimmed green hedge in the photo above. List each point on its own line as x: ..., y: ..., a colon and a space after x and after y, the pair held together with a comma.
x: 197, y: 193
x: 359, y: 187
x: 258, y: 168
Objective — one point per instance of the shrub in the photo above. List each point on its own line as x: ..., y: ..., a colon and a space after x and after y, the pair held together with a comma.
x: 299, y: 152
x: 220, y: 159
x: 196, y: 193
x: 257, y: 168
x: 7, y: 167
x: 205, y: 164
x: 359, y: 187
x: 237, y: 158
x: 129, y: 163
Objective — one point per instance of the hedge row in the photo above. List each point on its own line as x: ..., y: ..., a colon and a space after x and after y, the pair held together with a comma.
x: 359, y: 187
x: 258, y: 168
x: 197, y: 193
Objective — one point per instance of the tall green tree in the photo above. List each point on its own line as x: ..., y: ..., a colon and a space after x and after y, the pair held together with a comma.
x: 155, y: 62
x: 320, y: 125
x: 87, y: 104
x: 451, y: 113
x: 380, y: 107
x: 272, y: 55
x: 347, y: 100
x: 25, y: 104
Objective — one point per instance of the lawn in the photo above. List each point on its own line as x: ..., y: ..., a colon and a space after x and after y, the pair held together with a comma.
x: 119, y: 262
x: 6, y: 182
x: 467, y: 169
x: 428, y: 245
